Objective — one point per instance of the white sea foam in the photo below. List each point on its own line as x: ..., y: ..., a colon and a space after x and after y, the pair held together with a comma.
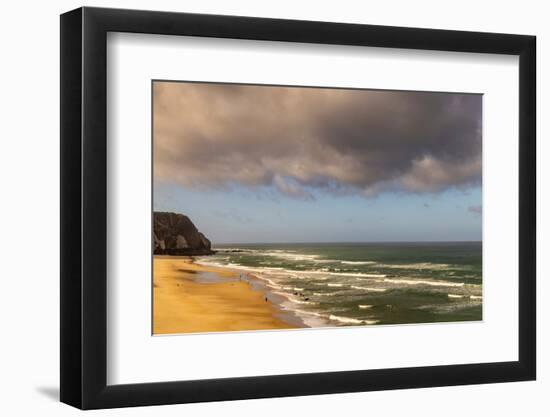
x: 292, y: 256
x: 309, y: 313
x: 351, y: 320
x: 424, y: 282
x: 298, y: 301
x: 336, y: 274
x: 240, y: 267
x: 294, y: 273
x: 293, y: 299
x: 455, y: 296
x: 364, y: 306
x: 448, y: 307
x: 426, y: 265
x: 358, y: 262
x: 362, y: 276
x: 310, y: 318
x: 237, y: 250
x: 371, y: 289
x: 208, y: 262
x: 359, y: 274
x: 476, y: 297
x: 275, y: 287
x: 330, y: 284
x: 345, y: 319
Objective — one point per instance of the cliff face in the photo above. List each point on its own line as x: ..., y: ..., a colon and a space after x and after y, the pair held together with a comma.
x: 175, y: 234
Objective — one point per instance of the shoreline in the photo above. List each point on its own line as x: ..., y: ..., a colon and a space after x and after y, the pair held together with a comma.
x: 259, y: 284
x: 189, y: 297
x: 302, y: 318
x: 347, y: 292
x: 382, y: 300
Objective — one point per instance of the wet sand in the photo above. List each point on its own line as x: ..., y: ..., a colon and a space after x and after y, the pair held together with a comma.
x: 190, y: 298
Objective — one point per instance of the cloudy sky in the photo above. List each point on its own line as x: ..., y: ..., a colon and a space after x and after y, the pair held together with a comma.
x: 287, y: 164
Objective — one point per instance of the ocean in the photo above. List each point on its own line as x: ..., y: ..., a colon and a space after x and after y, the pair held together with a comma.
x: 343, y: 284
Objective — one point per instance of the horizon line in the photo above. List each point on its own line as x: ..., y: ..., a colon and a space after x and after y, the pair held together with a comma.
x: 347, y: 242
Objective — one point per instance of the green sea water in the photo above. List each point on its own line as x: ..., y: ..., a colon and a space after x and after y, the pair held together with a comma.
x: 343, y: 284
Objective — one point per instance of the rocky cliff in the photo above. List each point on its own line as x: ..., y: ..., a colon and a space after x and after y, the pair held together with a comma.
x: 175, y: 234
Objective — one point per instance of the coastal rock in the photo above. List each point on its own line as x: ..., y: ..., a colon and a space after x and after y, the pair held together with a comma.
x: 205, y: 242
x: 175, y: 234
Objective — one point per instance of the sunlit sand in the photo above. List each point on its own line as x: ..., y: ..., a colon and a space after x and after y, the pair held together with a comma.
x: 192, y: 298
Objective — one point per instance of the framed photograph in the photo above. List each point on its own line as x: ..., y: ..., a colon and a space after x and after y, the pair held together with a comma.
x: 259, y: 208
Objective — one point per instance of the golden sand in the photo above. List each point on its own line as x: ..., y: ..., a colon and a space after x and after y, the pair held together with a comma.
x: 183, y: 305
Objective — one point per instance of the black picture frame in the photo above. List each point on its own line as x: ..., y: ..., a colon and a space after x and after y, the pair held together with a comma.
x: 84, y: 207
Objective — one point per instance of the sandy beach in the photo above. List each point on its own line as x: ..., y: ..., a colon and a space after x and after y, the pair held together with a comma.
x: 190, y: 298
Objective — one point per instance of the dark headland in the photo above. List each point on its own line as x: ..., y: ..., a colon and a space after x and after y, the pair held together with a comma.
x: 175, y: 234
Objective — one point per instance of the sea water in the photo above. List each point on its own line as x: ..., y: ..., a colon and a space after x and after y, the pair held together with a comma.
x: 365, y: 283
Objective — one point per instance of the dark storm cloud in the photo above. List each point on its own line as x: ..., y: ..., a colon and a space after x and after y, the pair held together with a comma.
x: 301, y: 139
